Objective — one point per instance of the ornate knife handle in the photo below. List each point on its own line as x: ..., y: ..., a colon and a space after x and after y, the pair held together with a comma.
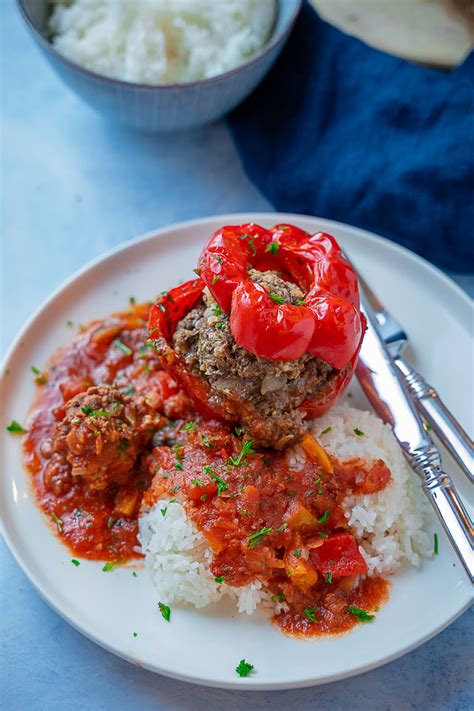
x: 433, y: 409
x: 449, y: 508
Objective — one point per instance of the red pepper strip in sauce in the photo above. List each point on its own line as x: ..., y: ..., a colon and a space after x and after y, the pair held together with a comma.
x: 165, y: 314
x: 328, y: 325
x: 339, y: 556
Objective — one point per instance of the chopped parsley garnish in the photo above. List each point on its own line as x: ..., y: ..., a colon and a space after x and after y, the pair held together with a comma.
x: 292, y: 494
x: 217, y: 311
x: 324, y: 517
x: 220, y: 325
x: 203, y: 497
x: 428, y: 427
x: 188, y: 427
x: 360, y: 614
x: 238, y: 431
x: 282, y: 528
x: 75, y: 562
x: 219, y: 580
x: 111, y: 565
x: 300, y: 302
x: 326, y: 431
x: 276, y: 298
x: 310, y: 613
x: 328, y: 578
x: 197, y: 482
x: 122, y: 347
x: 163, y: 511
x: 165, y: 611
x: 243, y: 668
x: 221, y: 485
x: 134, y: 574
x: 298, y: 552
x: 323, y: 535
x: 246, y: 449
x: 272, y: 247
x: 358, y: 432
x: 132, y: 300
x: 252, y: 247
x: 215, y: 279
x: 58, y: 521
x: 135, y: 634
x: 15, y: 428
x: 257, y: 538
x: 436, y: 544
x: 87, y: 409
x: 279, y: 597
x: 111, y: 522
x: 97, y: 413
x: 41, y: 378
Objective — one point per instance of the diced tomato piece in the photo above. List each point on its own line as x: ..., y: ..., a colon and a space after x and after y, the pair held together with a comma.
x: 196, y: 492
x: 339, y: 555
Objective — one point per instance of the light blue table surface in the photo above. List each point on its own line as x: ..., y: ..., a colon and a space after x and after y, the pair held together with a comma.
x: 74, y: 186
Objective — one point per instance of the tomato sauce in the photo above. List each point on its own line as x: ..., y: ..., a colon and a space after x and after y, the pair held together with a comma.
x: 114, y: 352
x: 265, y: 517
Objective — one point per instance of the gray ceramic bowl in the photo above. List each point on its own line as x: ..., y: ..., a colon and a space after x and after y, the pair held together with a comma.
x: 162, y: 107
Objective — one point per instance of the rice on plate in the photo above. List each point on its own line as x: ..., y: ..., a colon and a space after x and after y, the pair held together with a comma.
x: 389, y: 524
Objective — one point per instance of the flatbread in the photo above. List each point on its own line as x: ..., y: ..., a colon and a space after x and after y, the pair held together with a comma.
x: 437, y: 32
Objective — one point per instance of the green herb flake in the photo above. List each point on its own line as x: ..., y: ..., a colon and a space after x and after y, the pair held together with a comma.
x: 163, y: 511
x: 15, y: 428
x: 217, y: 311
x: 323, y: 535
x: 134, y: 574
x: 282, y: 528
x: 324, y: 517
x: 292, y: 494
x: 279, y: 597
x: 188, y: 427
x: 276, y: 298
x: 132, y: 300
x: 58, y: 521
x: 215, y: 279
x: 246, y: 449
x: 310, y: 613
x: 219, y: 580
x: 165, y: 611
x: 436, y: 544
x: 328, y: 578
x: 360, y: 614
x: 243, y: 668
x: 326, y: 431
x: 111, y: 522
x: 298, y: 552
x: 135, y: 634
x: 272, y: 247
x: 428, y: 427
x: 256, y: 538
x: 110, y: 565
x: 75, y: 562
x: 178, y: 466
x: 358, y: 432
x: 122, y: 347
x: 203, y: 498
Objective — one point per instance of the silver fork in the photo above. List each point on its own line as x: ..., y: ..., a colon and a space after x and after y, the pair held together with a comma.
x: 431, y: 407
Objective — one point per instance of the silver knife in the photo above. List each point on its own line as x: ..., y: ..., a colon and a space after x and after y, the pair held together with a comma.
x: 388, y: 395
x: 427, y: 400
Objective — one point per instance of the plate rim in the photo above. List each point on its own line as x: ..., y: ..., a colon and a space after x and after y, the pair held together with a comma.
x: 252, y: 683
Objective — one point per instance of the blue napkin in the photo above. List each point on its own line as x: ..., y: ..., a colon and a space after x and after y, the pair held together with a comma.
x: 343, y: 131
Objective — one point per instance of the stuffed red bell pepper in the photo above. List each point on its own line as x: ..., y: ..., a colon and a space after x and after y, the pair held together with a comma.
x: 269, y: 333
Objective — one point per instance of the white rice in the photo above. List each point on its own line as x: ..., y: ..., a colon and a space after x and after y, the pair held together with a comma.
x: 161, y: 41
x: 388, y: 524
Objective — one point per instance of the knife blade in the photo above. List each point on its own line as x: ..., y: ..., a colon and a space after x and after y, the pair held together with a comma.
x: 388, y: 395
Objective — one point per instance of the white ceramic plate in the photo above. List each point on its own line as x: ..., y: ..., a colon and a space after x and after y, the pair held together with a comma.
x: 205, y: 646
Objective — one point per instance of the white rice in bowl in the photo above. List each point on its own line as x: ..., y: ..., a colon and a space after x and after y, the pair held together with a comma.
x: 161, y: 41
x: 388, y: 524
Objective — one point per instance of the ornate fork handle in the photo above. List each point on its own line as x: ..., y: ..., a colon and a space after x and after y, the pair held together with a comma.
x: 444, y: 424
x: 451, y: 512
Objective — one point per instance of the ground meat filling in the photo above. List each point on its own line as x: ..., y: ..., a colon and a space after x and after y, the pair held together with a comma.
x: 101, y: 436
x: 264, y: 393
